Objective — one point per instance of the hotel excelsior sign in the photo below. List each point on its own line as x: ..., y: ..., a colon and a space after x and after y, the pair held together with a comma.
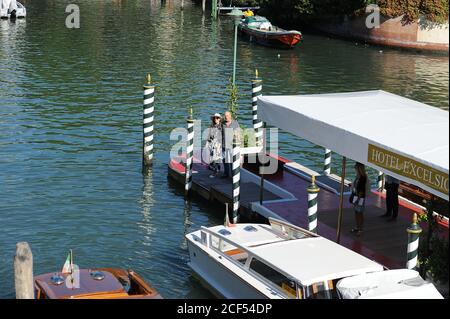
x: 409, y: 168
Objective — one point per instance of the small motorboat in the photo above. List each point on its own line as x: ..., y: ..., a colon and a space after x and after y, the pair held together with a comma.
x: 101, y: 283
x: 11, y: 9
x: 258, y: 29
x: 283, y: 261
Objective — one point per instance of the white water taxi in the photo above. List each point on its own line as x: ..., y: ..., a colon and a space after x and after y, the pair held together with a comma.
x: 282, y: 261
x: 12, y: 9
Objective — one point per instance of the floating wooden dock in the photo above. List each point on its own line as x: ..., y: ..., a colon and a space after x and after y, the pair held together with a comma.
x: 381, y: 240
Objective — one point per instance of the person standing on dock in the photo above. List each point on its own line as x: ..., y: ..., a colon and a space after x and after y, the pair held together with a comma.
x: 230, y: 129
x: 391, y: 184
x: 358, y: 197
x: 214, y: 144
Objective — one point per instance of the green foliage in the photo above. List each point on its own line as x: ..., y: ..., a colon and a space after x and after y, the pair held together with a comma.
x: 248, y: 137
x: 232, y: 102
x: 433, y: 255
x: 437, y: 262
x: 433, y: 10
x: 304, y: 10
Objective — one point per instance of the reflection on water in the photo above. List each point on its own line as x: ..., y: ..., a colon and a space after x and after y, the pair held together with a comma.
x: 70, y: 125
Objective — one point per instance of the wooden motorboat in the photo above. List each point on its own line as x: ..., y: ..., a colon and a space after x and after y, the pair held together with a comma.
x: 12, y: 9
x: 101, y: 283
x: 258, y: 29
x: 283, y: 261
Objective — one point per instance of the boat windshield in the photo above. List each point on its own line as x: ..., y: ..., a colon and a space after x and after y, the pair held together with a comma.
x: 320, y: 290
x: 288, y: 231
x: 258, y: 22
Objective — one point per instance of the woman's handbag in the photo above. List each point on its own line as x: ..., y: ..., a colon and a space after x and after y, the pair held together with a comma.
x: 351, y: 198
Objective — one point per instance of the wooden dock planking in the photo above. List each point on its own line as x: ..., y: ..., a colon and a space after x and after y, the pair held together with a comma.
x: 221, y: 188
x: 390, y: 238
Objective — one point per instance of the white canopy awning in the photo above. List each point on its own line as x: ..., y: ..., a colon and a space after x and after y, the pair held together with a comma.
x: 398, y: 136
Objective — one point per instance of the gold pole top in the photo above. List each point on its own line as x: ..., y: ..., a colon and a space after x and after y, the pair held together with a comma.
x: 415, y: 219
x: 256, y: 74
x: 149, y: 79
x: 191, y: 112
x: 313, y: 179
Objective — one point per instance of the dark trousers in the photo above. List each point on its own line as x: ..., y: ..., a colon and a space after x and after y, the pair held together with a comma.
x: 227, y: 168
x: 392, y: 199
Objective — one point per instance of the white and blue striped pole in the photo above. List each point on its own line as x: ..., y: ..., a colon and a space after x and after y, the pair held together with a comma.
x: 189, y: 153
x: 414, y: 232
x: 257, y: 124
x: 148, y: 118
x: 313, y: 192
x: 327, y: 162
x: 236, y: 176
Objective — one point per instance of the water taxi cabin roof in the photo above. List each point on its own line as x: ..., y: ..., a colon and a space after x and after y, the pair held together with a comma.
x: 87, y: 285
x: 408, y: 133
x: 317, y: 259
x: 308, y: 260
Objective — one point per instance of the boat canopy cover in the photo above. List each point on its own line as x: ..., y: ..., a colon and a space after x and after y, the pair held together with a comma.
x: 390, y: 284
x: 256, y: 19
x: 319, y: 259
x: 258, y: 22
x: 401, y: 137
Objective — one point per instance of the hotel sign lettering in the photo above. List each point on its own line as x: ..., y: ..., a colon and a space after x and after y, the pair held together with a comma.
x: 409, y: 168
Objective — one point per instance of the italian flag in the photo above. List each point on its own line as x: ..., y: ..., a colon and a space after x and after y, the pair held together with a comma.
x: 67, y: 268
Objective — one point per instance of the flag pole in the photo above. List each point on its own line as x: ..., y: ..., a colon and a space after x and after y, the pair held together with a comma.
x: 71, y: 268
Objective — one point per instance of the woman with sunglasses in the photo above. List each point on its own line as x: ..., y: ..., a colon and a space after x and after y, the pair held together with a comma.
x: 214, y: 144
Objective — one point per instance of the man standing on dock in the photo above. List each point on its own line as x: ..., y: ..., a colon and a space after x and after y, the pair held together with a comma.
x: 230, y: 129
x: 391, y: 184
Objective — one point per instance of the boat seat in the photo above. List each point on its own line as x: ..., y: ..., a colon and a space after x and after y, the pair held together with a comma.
x: 237, y: 254
x: 233, y: 252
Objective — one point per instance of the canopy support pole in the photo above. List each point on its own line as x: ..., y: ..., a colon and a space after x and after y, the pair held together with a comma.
x: 341, y: 200
x: 261, y: 189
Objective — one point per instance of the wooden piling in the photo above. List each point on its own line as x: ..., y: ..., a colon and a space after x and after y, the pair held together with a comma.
x: 23, y: 271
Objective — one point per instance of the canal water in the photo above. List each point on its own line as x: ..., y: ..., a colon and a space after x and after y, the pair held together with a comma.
x: 70, y: 125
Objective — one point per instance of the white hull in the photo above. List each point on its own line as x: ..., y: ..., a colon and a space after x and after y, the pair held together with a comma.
x: 283, y: 261
x: 218, y: 277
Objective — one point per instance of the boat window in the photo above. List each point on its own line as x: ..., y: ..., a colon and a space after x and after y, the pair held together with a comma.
x: 321, y: 290
x: 204, y: 237
x: 287, y: 285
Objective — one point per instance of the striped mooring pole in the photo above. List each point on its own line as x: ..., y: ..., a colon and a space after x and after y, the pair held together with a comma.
x: 149, y: 100
x: 189, y: 153
x: 327, y: 162
x: 236, y: 177
x: 313, y: 192
x: 380, y: 180
x: 414, y: 232
x: 257, y: 124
